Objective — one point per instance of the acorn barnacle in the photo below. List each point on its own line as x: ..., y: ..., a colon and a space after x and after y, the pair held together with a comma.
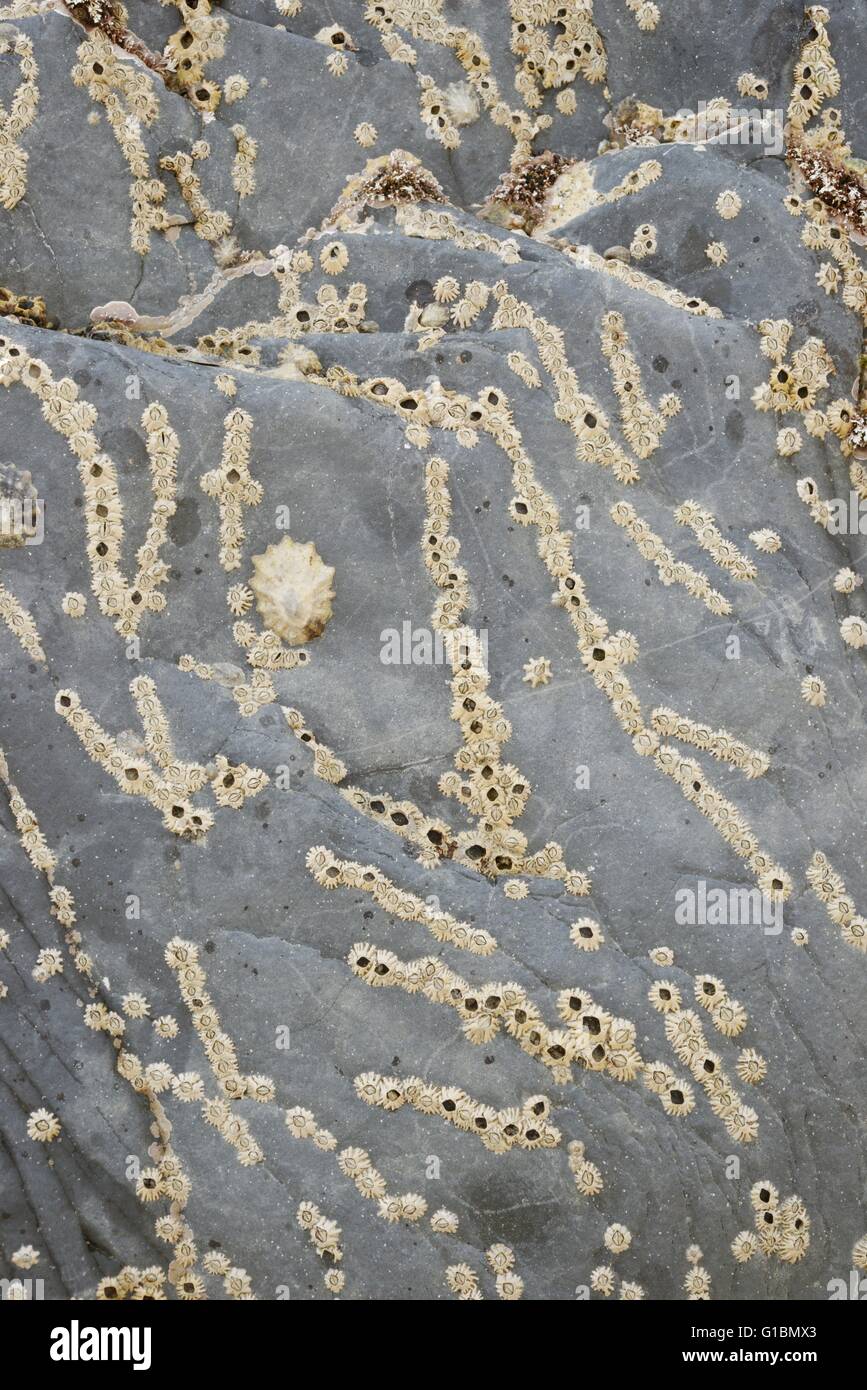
x: 293, y: 589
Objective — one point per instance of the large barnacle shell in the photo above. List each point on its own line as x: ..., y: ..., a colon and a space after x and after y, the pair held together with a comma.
x: 293, y: 590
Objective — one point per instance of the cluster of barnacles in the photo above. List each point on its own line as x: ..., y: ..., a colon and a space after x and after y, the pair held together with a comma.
x: 830, y: 889
x: 166, y: 1180
x: 579, y: 410
x: 108, y: 19
x: 232, y: 487
x: 324, y: 1235
x: 397, y: 179
x: 423, y: 19
x: 20, y: 623
x: 642, y: 425
x: 816, y: 76
x: 524, y: 1126
x: 669, y: 569
x: 200, y: 40
x: 463, y: 1280
x: 326, y: 764
x: 644, y: 241
x: 494, y: 793
x: 182, y: 957
x: 724, y: 553
x: 14, y: 122
x: 49, y: 961
x: 354, y: 1163
x: 783, y: 1227
x: 728, y: 820
x: 795, y: 384
x: 127, y: 96
x: 331, y: 872
x: 587, y: 1176
x: 603, y: 1280
x: 685, y: 1034
x: 301, y: 1124
x: 29, y: 309
x: 602, y: 654
x: 209, y: 224
x: 437, y: 225
x: 718, y: 742
x: 592, y: 1038
x: 588, y: 259
x: 727, y: 1015
x: 821, y: 157
x: 840, y: 188
x: 575, y: 50
x: 123, y: 601
x: 152, y: 770
x: 824, y: 232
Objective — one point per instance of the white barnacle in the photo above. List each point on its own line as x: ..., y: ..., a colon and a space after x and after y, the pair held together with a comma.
x: 293, y: 590
x: 365, y: 134
x: 728, y: 204
x: 766, y: 540
x: 814, y: 691
x: 74, y: 605
x: 853, y: 630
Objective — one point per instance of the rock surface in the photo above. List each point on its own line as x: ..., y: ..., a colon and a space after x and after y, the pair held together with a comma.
x: 351, y: 368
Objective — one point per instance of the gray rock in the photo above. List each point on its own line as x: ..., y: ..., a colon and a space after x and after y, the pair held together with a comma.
x: 274, y: 944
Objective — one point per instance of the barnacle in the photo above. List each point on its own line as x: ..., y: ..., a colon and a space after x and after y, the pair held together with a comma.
x: 235, y: 88
x: 500, y: 1258
x: 789, y: 442
x: 664, y: 996
x: 630, y: 1290
x: 728, y: 204
x: 766, y: 540
x: 751, y: 1066
x: 814, y: 690
x: 444, y: 1222
x: 463, y: 1281
x: 853, y: 630
x: 617, y: 1238
x: 846, y: 581
x: 603, y: 1280
x: 334, y: 257
x: 662, y: 955
x: 20, y: 623
x: 43, y: 1126
x: 509, y: 1286
x: 135, y: 1005
x: 19, y: 117
x: 516, y: 889
x: 697, y: 1284
x: 366, y: 134
x: 25, y: 1257
x: 537, y: 671
x: 74, y: 605
x: 293, y: 590
x: 586, y: 934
